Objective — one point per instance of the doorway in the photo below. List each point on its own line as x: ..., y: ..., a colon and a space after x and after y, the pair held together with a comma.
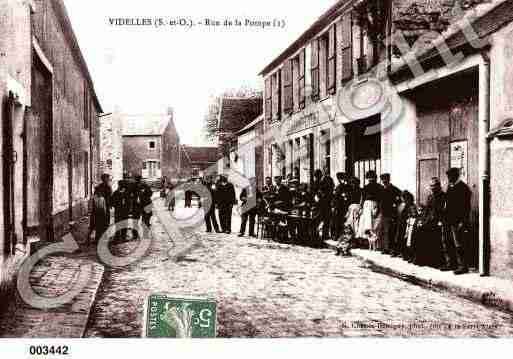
x: 363, y: 147
x: 8, y: 161
x: 38, y: 153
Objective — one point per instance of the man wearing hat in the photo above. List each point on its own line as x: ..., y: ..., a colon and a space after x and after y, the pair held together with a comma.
x: 432, y: 237
x: 341, y: 202
x: 457, y: 211
x: 226, y: 199
x: 390, y: 200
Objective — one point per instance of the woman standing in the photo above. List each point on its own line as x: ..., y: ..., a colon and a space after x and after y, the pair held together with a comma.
x: 370, y: 204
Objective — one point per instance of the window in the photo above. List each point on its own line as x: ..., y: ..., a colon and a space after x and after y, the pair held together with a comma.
x: 268, y: 99
x: 276, y: 95
x: 152, y: 145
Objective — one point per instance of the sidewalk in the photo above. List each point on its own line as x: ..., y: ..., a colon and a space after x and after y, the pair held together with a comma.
x: 53, y: 276
x: 489, y: 291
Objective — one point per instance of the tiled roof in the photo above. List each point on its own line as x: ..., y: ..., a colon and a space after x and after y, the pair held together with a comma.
x: 251, y: 125
x: 201, y: 154
x: 145, y: 125
x: 485, y: 19
x: 236, y: 113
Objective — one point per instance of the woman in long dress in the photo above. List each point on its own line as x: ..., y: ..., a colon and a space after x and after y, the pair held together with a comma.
x: 369, y: 224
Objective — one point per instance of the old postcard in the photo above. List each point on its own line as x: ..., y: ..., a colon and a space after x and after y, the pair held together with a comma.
x: 255, y: 169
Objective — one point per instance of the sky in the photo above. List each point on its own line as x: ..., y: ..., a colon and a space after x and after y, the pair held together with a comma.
x: 148, y: 69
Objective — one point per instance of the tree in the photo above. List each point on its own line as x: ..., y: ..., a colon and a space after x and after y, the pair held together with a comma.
x: 211, y: 125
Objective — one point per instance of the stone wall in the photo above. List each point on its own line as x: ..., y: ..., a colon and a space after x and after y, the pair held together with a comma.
x: 111, y: 147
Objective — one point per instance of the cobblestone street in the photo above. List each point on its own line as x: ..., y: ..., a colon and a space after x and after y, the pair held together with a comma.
x: 266, y: 289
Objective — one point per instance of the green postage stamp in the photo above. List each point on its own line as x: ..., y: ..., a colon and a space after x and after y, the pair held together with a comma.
x: 170, y: 317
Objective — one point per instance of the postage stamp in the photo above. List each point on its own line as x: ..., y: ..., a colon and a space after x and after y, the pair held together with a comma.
x: 172, y: 317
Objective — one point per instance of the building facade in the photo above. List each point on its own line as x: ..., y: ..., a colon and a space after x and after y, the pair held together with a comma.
x: 49, y: 123
x: 407, y: 87
x: 235, y: 113
x: 111, y: 147
x: 198, y: 161
x: 250, y: 152
x: 150, y: 146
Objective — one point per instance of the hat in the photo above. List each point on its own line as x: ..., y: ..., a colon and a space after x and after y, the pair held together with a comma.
x: 342, y: 175
x: 371, y: 175
x: 385, y: 176
x: 453, y: 172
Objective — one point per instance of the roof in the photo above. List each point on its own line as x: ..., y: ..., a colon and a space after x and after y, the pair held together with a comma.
x: 236, y: 113
x: 324, y: 20
x: 485, y: 19
x: 201, y: 154
x: 145, y: 124
x: 252, y: 125
x: 75, y: 48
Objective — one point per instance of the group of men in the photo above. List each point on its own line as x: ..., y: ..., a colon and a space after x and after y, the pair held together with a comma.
x: 132, y: 201
x: 379, y: 208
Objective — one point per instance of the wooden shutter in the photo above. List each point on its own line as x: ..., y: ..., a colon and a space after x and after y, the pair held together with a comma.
x: 302, y: 83
x: 347, y: 48
x: 288, y: 102
x: 276, y: 85
x: 332, y: 59
x: 268, y: 99
x: 315, y: 70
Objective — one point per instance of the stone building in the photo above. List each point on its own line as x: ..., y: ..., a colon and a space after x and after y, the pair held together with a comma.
x: 198, y: 161
x: 408, y: 87
x: 234, y: 114
x: 150, y: 146
x: 249, y: 151
x: 49, y: 123
x: 111, y: 147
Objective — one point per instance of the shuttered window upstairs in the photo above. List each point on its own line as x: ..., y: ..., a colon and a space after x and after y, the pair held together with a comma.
x: 347, y: 47
x: 315, y: 70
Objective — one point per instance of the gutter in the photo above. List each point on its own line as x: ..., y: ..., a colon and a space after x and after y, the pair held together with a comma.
x: 484, y: 165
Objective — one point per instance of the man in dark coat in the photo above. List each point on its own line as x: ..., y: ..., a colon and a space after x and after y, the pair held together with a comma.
x: 283, y: 198
x: 210, y: 213
x: 102, y: 203
x: 341, y: 202
x: 249, y: 198
x: 226, y: 199
x: 457, y: 210
x: 390, y: 200
x: 119, y: 201
x: 432, y: 239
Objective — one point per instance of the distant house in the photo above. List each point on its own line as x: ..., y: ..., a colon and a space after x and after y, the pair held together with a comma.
x: 198, y: 161
x: 150, y: 146
x: 249, y: 152
x: 234, y: 115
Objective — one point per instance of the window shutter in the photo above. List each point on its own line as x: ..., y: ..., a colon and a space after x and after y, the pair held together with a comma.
x: 268, y: 99
x: 288, y: 103
x: 332, y: 60
x: 315, y: 69
x: 347, y: 53
x: 302, y: 83
x: 276, y: 84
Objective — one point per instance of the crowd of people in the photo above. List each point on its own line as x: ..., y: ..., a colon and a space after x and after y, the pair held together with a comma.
x: 377, y: 216
x: 132, y: 205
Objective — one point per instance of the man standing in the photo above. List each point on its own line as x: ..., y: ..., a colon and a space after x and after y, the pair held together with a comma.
x: 283, y: 199
x: 100, y: 220
x: 341, y: 202
x: 143, y: 203
x: 390, y: 200
x: 458, y: 213
x: 432, y: 232
x: 268, y: 187
x: 226, y: 201
x: 249, y: 197
x: 121, y: 209
x: 210, y: 212
x: 324, y: 187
